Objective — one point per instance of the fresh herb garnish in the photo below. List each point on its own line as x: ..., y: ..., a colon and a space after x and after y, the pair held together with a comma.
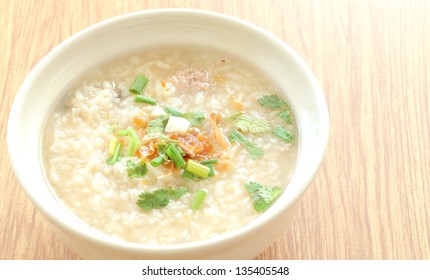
x: 138, y: 84
x: 122, y: 132
x: 255, y: 126
x: 188, y: 175
x: 160, y: 198
x: 263, y: 197
x: 209, y: 163
x: 136, y: 169
x: 233, y: 116
x: 132, y: 146
x: 115, y: 156
x: 254, y: 151
x: 173, y: 112
x: 175, y: 155
x: 198, y: 199
x: 113, y: 142
x: 145, y: 99
x: 236, y: 136
x: 133, y: 142
x: 156, y: 126
x: 272, y: 102
x: 195, y: 118
x: 157, y: 161
x: 284, y: 134
x: 197, y: 169
x: 161, y: 148
x: 286, y: 116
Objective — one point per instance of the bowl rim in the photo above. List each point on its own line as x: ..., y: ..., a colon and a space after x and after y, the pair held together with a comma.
x: 112, y: 242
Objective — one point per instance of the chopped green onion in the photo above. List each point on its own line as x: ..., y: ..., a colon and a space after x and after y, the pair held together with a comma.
x: 157, y: 161
x: 211, y: 171
x: 112, y: 129
x: 145, y: 99
x: 134, y: 142
x: 181, y: 152
x: 138, y: 84
x: 114, y: 158
x: 131, y: 149
x: 188, y: 175
x: 123, y: 132
x: 175, y: 156
x: 112, y: 145
x: 132, y: 133
x: 233, y: 116
x: 173, y: 112
x: 198, y: 199
x: 197, y: 169
x: 209, y: 161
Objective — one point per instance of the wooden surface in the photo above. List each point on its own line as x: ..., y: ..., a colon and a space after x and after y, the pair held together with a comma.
x: 371, y: 198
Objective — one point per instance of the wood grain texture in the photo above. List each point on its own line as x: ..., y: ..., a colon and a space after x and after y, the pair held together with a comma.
x: 371, y: 198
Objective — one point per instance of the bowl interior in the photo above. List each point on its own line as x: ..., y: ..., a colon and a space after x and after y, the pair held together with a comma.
x: 69, y: 61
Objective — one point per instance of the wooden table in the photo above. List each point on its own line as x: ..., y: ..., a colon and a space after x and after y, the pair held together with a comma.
x: 371, y: 198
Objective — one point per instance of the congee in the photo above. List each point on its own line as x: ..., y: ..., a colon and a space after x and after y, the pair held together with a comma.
x: 170, y: 146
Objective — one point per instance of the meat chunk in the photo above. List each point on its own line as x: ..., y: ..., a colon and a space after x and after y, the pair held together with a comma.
x: 190, y: 79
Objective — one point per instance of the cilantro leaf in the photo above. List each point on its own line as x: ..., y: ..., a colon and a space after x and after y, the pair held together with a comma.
x: 195, y: 118
x: 263, y: 197
x: 136, y: 169
x: 157, y: 199
x: 255, y: 126
x: 236, y: 136
x: 160, y: 198
x: 161, y: 148
x: 272, y: 102
x: 188, y: 175
x: 254, y: 151
x: 284, y: 134
x: 156, y: 126
x: 177, y: 193
x: 173, y: 112
x: 286, y: 116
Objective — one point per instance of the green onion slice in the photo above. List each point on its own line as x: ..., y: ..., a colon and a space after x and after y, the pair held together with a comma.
x: 113, y: 141
x: 145, y: 99
x: 175, y: 156
x: 197, y: 169
x: 122, y: 132
x: 157, y: 161
x: 114, y: 158
x: 199, y: 198
x: 139, y: 83
x: 209, y: 161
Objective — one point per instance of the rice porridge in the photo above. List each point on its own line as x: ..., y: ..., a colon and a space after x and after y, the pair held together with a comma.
x: 170, y: 146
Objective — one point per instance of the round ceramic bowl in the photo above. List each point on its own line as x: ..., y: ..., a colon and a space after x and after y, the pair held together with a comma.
x: 66, y: 64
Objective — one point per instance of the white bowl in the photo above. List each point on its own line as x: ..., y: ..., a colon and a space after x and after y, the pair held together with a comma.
x: 67, y: 62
